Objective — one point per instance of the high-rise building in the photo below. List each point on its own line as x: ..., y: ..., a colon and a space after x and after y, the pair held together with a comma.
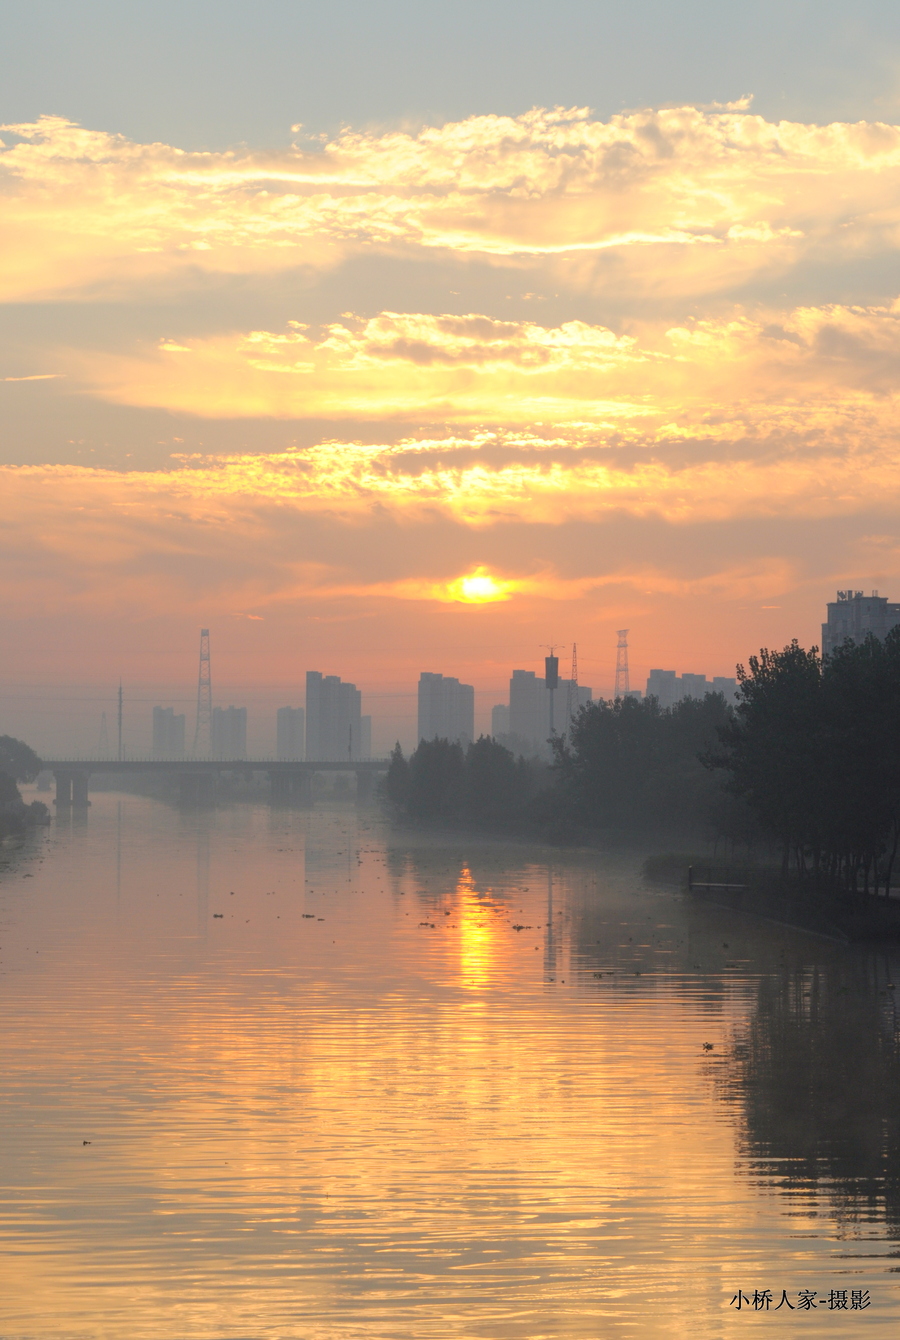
x: 229, y: 732
x: 289, y: 733
x: 168, y: 733
x: 854, y: 615
x: 446, y: 709
x: 663, y: 686
x: 529, y: 710
x: 727, y: 687
x: 499, y: 720
x: 333, y: 719
x: 694, y: 686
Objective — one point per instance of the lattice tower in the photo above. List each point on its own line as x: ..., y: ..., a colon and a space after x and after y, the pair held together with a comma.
x: 103, y: 745
x: 203, y: 732
x: 572, y: 691
x: 622, y: 685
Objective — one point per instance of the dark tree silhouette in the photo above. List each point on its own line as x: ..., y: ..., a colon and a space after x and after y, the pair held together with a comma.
x: 633, y: 768
x: 17, y: 760
x: 814, y: 749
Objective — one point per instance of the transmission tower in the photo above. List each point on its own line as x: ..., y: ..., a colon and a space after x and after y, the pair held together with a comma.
x: 622, y: 685
x: 572, y: 691
x: 203, y: 733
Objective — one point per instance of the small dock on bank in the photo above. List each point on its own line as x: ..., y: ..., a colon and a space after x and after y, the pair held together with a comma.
x: 693, y: 883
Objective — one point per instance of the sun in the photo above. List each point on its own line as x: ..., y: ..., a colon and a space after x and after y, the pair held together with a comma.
x: 479, y: 588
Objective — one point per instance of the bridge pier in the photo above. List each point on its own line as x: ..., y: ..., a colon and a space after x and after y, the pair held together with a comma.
x: 71, y: 788
x: 364, y: 780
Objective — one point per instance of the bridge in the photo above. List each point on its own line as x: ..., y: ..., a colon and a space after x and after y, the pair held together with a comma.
x: 290, y: 780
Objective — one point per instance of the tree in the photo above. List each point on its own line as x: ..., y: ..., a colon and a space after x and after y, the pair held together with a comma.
x: 632, y: 767
x: 18, y: 763
x: 814, y: 748
x: 436, y: 780
x: 396, y: 782
x: 17, y: 760
x: 775, y: 746
x: 495, y: 786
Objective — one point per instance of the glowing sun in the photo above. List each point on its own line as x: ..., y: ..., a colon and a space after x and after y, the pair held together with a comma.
x: 479, y: 588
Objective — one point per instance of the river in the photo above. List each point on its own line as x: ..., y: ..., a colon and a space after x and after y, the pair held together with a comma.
x: 272, y: 1073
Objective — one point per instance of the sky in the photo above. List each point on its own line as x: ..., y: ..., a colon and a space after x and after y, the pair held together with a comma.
x: 381, y: 338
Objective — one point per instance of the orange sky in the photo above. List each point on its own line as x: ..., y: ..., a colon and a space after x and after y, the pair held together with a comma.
x: 636, y: 372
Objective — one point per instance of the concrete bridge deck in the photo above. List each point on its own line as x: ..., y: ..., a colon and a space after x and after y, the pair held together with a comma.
x: 290, y: 779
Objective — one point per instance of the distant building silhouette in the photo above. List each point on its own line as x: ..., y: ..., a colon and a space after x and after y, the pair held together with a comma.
x: 854, y: 615
x: 290, y: 732
x: 168, y: 733
x: 694, y: 686
x: 229, y: 732
x: 334, y: 730
x: 669, y: 689
x: 446, y: 709
x: 726, y: 686
x: 500, y: 720
x: 529, y: 711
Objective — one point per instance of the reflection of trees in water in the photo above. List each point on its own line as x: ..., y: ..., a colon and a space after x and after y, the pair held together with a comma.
x: 817, y: 1074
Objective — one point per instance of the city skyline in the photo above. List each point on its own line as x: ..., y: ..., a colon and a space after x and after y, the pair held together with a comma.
x: 149, y: 730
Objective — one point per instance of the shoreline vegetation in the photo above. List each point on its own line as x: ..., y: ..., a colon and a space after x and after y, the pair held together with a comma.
x: 18, y: 763
x: 797, y: 786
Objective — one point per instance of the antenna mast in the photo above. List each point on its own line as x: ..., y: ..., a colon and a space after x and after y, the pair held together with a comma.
x: 120, y: 755
x: 203, y: 732
x: 622, y: 685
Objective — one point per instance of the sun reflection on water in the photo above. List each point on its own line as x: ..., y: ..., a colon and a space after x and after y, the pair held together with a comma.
x: 478, y: 940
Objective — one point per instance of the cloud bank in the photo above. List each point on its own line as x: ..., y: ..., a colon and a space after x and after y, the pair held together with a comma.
x: 686, y: 319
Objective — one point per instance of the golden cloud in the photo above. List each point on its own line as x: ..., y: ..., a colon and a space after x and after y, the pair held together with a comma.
x: 229, y: 537
x: 730, y: 193
x: 826, y: 374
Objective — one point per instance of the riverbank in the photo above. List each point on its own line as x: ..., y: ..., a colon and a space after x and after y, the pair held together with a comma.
x: 762, y: 891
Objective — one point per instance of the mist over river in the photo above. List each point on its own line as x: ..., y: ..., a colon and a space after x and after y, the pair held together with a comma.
x: 291, y: 1073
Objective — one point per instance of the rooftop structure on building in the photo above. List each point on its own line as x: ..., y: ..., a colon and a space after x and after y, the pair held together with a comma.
x: 854, y: 615
x: 333, y: 719
x: 446, y: 709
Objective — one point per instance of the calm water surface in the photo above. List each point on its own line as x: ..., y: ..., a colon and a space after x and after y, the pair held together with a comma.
x: 285, y: 1074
